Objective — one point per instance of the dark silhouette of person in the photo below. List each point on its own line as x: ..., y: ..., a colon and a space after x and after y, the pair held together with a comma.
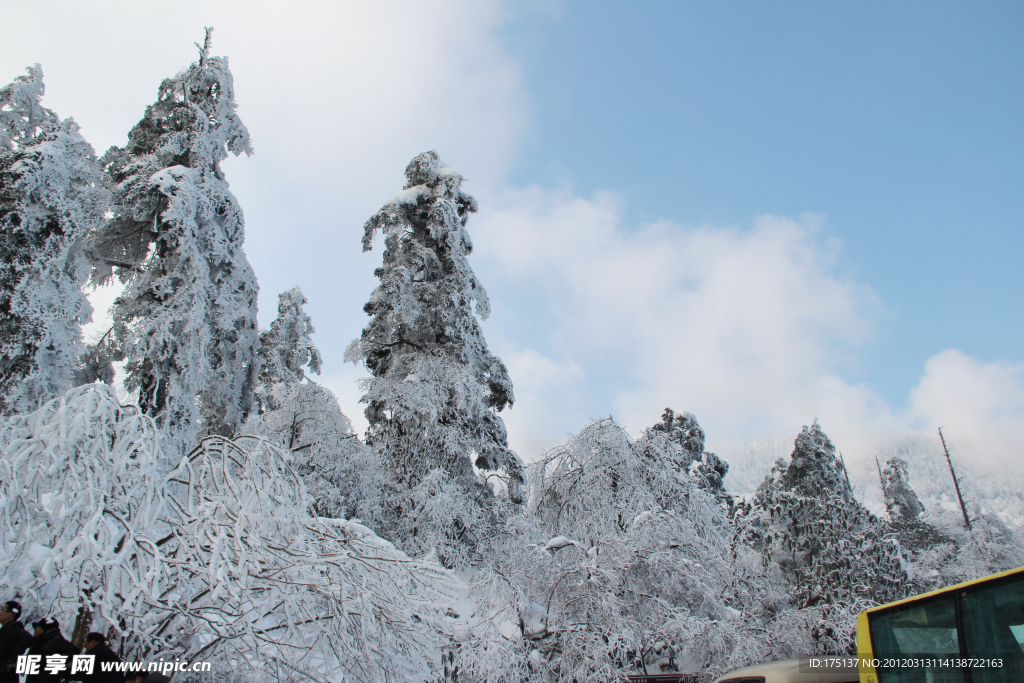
x: 14, y: 640
x: 96, y: 645
x: 50, y: 641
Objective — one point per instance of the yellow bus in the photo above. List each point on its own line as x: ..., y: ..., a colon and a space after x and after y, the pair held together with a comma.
x: 972, y: 632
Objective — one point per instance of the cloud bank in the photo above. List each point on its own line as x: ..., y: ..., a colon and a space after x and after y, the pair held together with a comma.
x: 753, y: 329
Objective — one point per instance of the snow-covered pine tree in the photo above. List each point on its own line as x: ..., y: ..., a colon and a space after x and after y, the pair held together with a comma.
x: 186, y: 321
x: 342, y: 475
x: 835, y: 555
x: 51, y: 194
x: 435, y: 392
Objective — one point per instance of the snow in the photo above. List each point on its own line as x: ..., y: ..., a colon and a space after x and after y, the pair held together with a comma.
x: 559, y: 542
x: 409, y: 196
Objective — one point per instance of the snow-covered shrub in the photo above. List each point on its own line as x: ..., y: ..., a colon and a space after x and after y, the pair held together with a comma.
x: 341, y: 474
x: 83, y: 511
x: 624, y: 583
x: 214, y: 558
x: 274, y: 586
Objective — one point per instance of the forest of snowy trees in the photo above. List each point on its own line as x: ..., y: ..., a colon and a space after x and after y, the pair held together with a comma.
x: 228, y: 512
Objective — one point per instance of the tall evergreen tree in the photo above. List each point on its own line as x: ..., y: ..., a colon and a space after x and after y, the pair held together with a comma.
x: 186, y: 321
x: 51, y: 194
x: 436, y: 391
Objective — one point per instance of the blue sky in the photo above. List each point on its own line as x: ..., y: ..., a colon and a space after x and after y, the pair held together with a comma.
x: 760, y: 212
x: 899, y: 122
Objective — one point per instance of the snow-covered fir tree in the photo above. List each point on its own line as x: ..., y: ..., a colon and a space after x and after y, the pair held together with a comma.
x: 51, y: 194
x: 835, y: 556
x: 435, y: 392
x: 285, y: 349
x: 340, y: 472
x: 186, y: 322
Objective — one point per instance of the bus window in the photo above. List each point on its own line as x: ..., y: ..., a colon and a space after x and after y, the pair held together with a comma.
x: 918, y: 630
x: 993, y: 619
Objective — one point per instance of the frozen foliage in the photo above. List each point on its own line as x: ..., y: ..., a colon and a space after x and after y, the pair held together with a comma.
x: 21, y: 109
x: 623, y: 582
x: 186, y: 322
x: 439, y: 518
x: 80, y: 505
x: 435, y: 392
x: 50, y: 195
x: 341, y: 474
x: 323, y: 597
x: 707, y: 469
x: 216, y: 559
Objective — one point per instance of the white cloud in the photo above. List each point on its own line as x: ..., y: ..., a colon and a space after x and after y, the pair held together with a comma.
x: 548, y: 393
x: 981, y: 406
x: 751, y: 329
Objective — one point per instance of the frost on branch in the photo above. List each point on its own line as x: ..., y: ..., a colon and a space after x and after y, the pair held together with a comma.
x: 626, y: 584
x: 50, y: 196
x: 186, y: 321
x: 83, y: 515
x: 217, y: 559
x: 343, y: 476
x: 262, y: 582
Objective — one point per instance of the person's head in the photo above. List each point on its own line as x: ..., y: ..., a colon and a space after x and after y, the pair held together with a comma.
x: 10, y: 611
x: 93, y: 639
x: 135, y: 677
x: 42, y: 626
